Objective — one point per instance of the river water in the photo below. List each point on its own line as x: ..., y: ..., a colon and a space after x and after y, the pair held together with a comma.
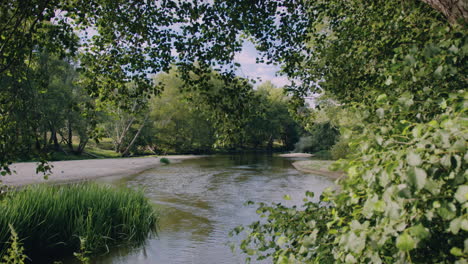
x: 201, y: 200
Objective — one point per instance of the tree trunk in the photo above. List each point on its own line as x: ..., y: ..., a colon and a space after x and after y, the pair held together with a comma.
x: 270, y: 143
x: 54, y: 139
x: 70, y: 136
x: 45, y: 140
x: 81, y: 145
x: 454, y: 10
x: 125, y: 153
x: 121, y: 138
x: 38, y: 143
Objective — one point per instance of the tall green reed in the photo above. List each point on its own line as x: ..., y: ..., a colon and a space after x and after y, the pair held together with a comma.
x: 54, y: 219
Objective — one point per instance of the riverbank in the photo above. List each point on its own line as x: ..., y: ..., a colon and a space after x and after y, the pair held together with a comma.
x: 80, y: 170
x: 319, y: 167
x: 296, y: 155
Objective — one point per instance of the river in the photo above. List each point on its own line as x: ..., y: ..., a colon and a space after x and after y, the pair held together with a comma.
x: 201, y: 200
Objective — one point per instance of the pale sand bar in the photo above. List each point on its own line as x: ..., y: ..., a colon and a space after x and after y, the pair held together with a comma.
x: 77, y: 170
x: 296, y: 155
x: 318, y: 167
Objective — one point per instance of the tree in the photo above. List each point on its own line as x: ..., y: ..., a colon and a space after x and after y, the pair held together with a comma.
x: 126, y: 33
x: 271, y: 120
x: 403, y: 192
x: 178, y: 125
x: 120, y: 43
x: 454, y: 10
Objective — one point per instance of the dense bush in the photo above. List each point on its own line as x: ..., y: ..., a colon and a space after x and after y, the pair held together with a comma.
x: 399, y: 68
x: 322, y: 136
x: 340, y: 149
x: 404, y: 200
x: 56, y: 219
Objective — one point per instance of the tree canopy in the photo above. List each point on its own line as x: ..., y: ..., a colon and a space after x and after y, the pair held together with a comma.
x: 398, y: 67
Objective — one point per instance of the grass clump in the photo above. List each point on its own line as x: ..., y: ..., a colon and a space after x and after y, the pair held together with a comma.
x: 165, y: 161
x: 54, y: 220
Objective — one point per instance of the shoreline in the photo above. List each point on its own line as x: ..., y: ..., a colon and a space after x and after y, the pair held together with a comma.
x: 308, y: 166
x: 83, y: 170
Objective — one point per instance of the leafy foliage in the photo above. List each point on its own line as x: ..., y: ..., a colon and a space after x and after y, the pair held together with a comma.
x: 321, y: 136
x: 340, y: 150
x: 403, y: 199
x: 404, y: 194
x: 15, y: 253
x: 165, y: 161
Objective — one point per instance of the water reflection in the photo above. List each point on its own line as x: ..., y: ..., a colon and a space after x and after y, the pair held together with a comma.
x: 202, y: 200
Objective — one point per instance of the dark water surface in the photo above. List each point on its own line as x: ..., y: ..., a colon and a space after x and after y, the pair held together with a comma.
x: 201, y: 200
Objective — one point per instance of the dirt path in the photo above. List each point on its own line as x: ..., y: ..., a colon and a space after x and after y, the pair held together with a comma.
x: 76, y: 170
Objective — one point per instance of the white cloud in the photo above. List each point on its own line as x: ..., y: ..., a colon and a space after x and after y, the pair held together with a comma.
x: 245, y: 57
x: 250, y: 69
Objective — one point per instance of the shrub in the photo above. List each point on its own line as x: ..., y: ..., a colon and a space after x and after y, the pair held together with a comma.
x: 54, y: 219
x: 165, y: 161
x: 405, y: 197
x: 323, y: 155
x: 15, y: 252
x: 340, y: 149
x: 322, y: 137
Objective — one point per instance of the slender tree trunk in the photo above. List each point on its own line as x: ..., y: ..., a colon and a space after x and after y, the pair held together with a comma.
x: 45, y: 139
x: 38, y: 142
x: 270, y: 143
x: 454, y: 10
x: 70, y: 136
x: 120, y: 139
x: 125, y: 153
x: 81, y: 145
x: 53, y: 137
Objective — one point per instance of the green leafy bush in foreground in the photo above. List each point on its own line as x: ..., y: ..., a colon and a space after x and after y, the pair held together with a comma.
x: 405, y: 197
x: 56, y: 219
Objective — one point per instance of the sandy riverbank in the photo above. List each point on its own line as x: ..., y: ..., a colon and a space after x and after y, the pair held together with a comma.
x: 77, y: 170
x: 296, y: 155
x: 318, y: 167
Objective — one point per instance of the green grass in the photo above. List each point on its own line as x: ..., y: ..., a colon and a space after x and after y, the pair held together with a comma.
x: 52, y: 220
x: 104, y: 153
x: 94, y: 151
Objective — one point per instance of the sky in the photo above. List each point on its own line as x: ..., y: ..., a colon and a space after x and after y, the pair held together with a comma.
x: 250, y: 69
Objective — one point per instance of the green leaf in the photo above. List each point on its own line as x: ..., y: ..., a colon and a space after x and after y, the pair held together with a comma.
x: 459, y: 146
x: 287, y: 197
x: 456, y: 252
x: 405, y: 242
x: 419, y: 231
x: 381, y: 98
x: 443, y: 104
x: 389, y: 81
x: 447, y: 211
x: 281, y: 240
x: 464, y: 224
x: 438, y: 71
x: 380, y: 113
x: 417, y: 177
x: 414, y: 159
x: 462, y: 194
x: 353, y: 171
x: 433, y: 186
x: 455, y: 225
